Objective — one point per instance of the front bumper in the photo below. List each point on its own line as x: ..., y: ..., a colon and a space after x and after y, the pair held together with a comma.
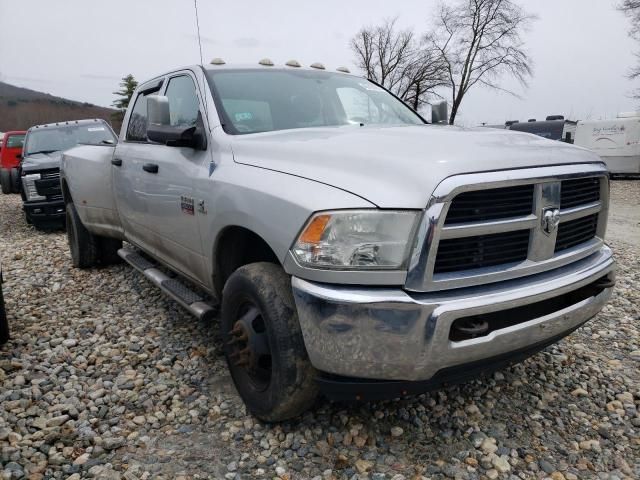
x: 45, y: 212
x: 391, y: 334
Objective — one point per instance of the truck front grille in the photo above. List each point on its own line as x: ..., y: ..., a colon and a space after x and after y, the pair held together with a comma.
x: 533, y: 221
x: 480, y: 205
x: 575, y: 232
x: 579, y: 192
x: 482, y: 251
x: 49, y: 184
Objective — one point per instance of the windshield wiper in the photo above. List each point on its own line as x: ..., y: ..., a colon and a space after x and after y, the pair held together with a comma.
x: 41, y: 151
x: 101, y: 142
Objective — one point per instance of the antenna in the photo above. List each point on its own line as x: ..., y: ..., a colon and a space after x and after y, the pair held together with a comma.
x: 195, y: 4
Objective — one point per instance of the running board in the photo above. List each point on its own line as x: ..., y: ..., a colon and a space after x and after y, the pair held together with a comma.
x: 177, y: 290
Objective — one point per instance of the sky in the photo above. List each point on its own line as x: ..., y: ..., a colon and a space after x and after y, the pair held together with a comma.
x: 80, y: 49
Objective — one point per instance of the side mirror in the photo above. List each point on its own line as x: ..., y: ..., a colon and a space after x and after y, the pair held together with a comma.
x: 440, y: 113
x: 160, y: 130
x: 158, y: 110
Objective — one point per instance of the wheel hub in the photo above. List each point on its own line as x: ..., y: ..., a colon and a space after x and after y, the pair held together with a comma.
x: 249, y: 346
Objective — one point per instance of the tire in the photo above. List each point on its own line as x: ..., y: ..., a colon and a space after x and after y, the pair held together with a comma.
x: 259, y: 314
x: 15, y: 180
x: 87, y: 249
x: 82, y: 244
x: 4, y: 323
x: 5, y: 180
x: 108, y: 251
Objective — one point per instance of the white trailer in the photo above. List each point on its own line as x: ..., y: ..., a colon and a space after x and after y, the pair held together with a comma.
x: 617, y: 141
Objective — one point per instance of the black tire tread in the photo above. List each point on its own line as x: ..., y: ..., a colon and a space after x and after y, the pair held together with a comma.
x: 4, y: 323
x: 14, y: 176
x: 82, y: 244
x: 293, y: 388
x: 5, y: 180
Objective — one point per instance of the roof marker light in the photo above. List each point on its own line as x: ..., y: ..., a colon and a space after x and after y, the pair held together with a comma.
x: 266, y: 62
x: 317, y: 65
x: 217, y: 61
x: 293, y: 63
x: 343, y: 70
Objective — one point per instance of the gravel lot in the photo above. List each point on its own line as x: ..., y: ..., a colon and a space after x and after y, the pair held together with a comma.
x: 106, y: 378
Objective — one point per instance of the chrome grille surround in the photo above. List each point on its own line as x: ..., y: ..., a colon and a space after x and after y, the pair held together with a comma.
x: 541, y: 254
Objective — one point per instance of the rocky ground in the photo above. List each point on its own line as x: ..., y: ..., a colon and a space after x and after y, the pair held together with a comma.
x: 106, y: 378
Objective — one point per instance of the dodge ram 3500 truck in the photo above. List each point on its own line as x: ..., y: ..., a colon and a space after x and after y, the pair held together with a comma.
x: 40, y: 167
x: 355, y: 249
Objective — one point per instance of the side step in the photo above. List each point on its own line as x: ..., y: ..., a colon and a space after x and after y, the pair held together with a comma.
x: 182, y: 294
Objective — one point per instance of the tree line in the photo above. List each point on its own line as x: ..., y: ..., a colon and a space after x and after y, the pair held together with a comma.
x: 469, y: 43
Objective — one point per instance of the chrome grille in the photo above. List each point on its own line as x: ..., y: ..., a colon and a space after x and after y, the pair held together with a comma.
x: 49, y: 184
x: 491, y: 204
x: 482, y: 251
x: 579, y: 192
x: 543, y: 218
x: 575, y: 232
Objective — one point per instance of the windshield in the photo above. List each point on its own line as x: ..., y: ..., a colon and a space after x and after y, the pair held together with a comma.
x: 253, y: 101
x: 15, y: 141
x: 53, y: 139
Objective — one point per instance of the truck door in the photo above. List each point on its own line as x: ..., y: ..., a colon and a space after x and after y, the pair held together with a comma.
x: 168, y: 186
x: 132, y: 152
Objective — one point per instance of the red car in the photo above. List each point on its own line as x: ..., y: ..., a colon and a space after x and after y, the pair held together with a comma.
x: 10, y: 155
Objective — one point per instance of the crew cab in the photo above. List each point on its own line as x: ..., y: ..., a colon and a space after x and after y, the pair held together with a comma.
x: 355, y: 249
x: 11, y: 144
x: 40, y: 167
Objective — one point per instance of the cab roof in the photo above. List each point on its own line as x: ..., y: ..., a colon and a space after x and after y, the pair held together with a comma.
x: 68, y: 123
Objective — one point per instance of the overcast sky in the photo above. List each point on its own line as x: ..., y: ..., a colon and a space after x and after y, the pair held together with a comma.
x: 80, y: 49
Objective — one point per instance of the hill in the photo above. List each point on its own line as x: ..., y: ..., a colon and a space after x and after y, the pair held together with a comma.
x: 21, y: 108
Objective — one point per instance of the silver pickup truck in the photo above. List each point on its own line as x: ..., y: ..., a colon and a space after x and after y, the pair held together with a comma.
x: 355, y: 249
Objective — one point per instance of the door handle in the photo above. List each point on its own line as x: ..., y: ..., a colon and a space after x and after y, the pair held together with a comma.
x: 116, y: 161
x: 150, y: 167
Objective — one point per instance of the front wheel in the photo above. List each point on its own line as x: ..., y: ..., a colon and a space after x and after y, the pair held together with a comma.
x: 5, y: 180
x: 263, y: 343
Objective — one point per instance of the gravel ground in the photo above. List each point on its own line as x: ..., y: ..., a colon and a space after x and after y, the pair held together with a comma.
x: 106, y: 378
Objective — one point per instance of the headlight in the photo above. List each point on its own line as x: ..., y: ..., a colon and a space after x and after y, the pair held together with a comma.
x: 29, y: 186
x: 356, y: 239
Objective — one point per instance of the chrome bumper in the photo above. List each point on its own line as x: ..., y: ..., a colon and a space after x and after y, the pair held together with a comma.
x: 390, y: 334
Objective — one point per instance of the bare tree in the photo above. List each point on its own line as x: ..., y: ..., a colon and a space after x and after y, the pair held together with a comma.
x: 480, y: 42
x: 398, y: 61
x: 631, y: 8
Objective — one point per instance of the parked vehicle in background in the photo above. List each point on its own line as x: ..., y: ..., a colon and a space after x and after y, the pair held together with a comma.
x: 617, y: 141
x: 10, y: 155
x: 555, y: 127
x: 4, y: 322
x: 354, y: 248
x: 40, y: 168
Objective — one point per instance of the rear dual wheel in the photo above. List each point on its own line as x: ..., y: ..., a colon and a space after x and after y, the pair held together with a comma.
x: 264, y: 347
x: 88, y: 250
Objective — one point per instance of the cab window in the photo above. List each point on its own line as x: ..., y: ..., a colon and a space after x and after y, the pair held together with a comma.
x: 137, y: 127
x: 15, y: 141
x: 183, y: 101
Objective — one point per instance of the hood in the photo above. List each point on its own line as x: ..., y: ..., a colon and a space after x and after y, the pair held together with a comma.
x: 399, y: 166
x: 41, y: 161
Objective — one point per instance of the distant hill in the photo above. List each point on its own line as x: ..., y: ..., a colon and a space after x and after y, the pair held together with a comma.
x: 21, y: 108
